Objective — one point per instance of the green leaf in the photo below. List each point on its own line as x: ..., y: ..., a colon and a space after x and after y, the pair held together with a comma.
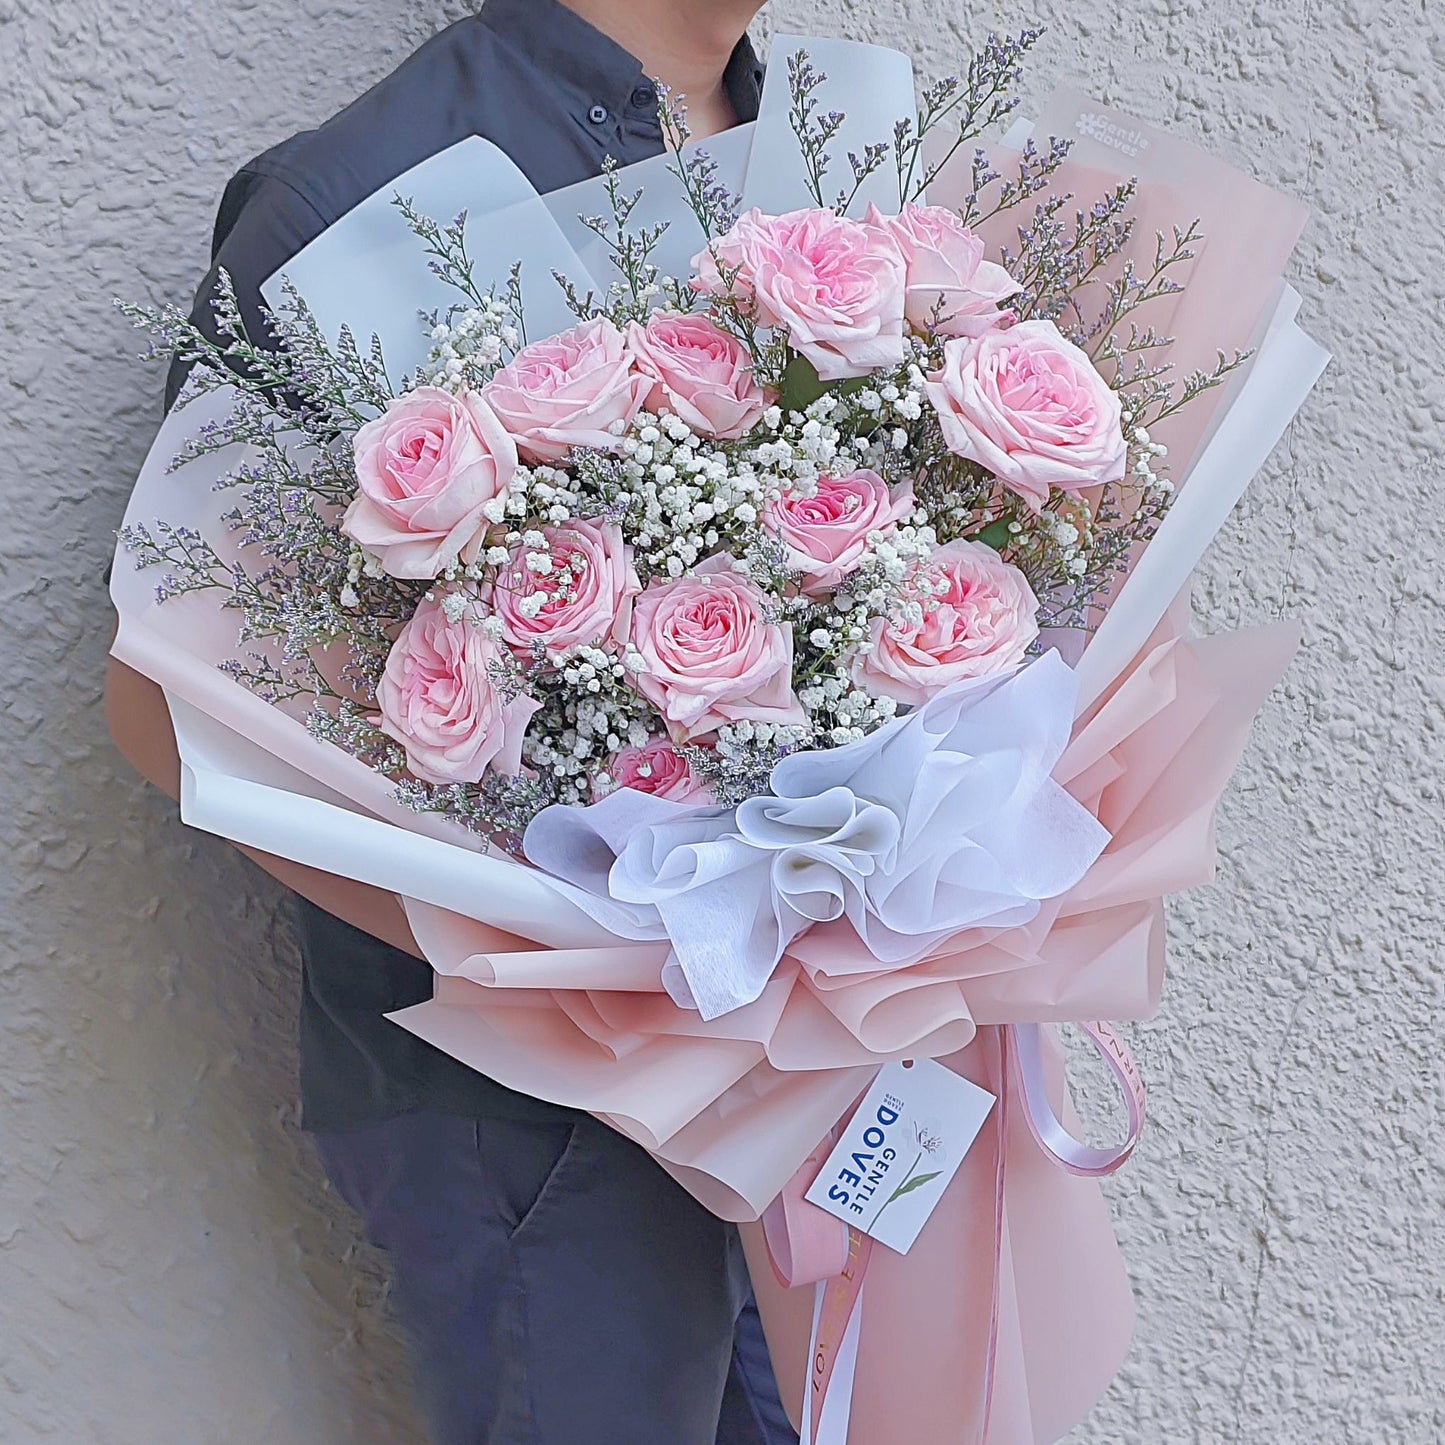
x: 995, y: 535
x: 801, y: 384
x: 917, y: 1182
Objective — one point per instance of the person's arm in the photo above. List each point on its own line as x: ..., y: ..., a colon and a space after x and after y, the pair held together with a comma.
x: 261, y: 224
x: 140, y: 723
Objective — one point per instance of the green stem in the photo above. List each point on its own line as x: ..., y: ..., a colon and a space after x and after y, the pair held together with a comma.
x: 912, y: 1169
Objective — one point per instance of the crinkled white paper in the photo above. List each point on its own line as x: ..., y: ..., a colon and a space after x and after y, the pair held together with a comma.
x: 943, y: 820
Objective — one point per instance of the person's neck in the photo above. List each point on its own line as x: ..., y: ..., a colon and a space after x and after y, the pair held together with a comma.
x: 686, y: 44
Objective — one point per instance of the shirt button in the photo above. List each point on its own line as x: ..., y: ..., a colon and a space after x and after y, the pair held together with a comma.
x: 644, y: 97
x: 598, y: 115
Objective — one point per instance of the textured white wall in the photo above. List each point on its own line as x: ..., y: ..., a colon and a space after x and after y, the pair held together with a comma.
x: 170, y: 1266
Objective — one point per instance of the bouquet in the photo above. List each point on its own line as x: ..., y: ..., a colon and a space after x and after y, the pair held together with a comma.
x: 744, y: 632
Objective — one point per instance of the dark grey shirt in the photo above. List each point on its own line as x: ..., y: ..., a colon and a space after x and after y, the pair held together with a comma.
x: 558, y: 97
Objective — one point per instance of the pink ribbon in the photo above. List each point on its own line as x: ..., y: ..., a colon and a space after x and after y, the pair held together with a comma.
x: 841, y: 1297
x: 1050, y: 1134
x: 998, y: 1071
x: 807, y: 1245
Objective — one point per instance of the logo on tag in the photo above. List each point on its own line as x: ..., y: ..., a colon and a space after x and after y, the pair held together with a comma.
x: 900, y: 1150
x: 1107, y: 131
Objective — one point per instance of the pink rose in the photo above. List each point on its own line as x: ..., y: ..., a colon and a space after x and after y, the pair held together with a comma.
x: 439, y: 701
x: 586, y: 598
x: 985, y: 620
x: 697, y: 371
x: 425, y: 469
x: 834, y: 285
x: 567, y: 391
x: 710, y: 654
x: 658, y: 768
x: 1027, y: 404
x: 826, y: 534
x: 947, y: 276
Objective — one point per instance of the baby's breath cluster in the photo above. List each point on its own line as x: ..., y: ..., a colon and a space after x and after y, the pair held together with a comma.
x: 469, y: 345
x: 587, y: 720
x: 1144, y: 455
x: 684, y: 494
x: 840, y: 713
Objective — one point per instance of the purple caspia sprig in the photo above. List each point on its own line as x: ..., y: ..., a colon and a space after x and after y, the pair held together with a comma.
x: 972, y: 104
x: 714, y: 204
x: 301, y: 592
x: 815, y: 130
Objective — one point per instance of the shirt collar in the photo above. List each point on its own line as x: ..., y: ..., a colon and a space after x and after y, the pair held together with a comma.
x: 594, y: 67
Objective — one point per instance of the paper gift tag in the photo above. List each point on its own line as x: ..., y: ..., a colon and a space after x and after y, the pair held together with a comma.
x: 900, y: 1150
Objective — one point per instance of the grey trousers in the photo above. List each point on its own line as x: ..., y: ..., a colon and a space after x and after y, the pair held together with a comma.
x: 558, y: 1287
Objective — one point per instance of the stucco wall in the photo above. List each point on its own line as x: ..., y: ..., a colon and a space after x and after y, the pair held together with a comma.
x: 171, y: 1268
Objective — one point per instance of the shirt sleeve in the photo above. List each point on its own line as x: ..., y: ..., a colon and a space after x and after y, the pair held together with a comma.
x: 261, y: 224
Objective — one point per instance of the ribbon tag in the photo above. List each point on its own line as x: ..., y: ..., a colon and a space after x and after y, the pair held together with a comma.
x: 833, y: 1350
x: 899, y: 1151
